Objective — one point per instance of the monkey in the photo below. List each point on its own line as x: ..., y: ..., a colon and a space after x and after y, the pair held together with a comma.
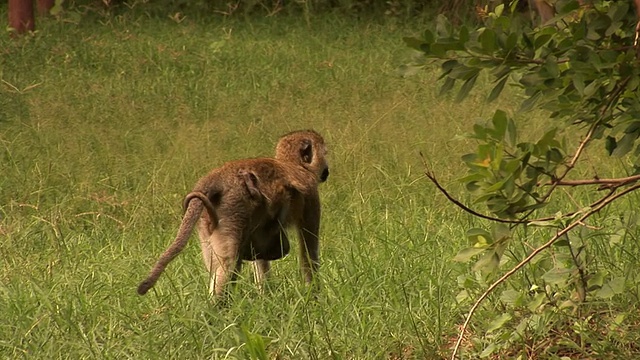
x: 306, y: 149
x: 273, y: 243
x: 249, y: 204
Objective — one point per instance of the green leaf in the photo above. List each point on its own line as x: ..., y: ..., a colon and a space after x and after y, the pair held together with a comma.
x: 613, y: 28
x: 466, y: 88
x: 633, y: 127
x: 449, y: 65
x: 610, y: 144
x: 551, y: 67
x: 463, y: 72
x: 447, y: 86
x: 596, y: 281
x: 601, y: 22
x: 578, y: 83
x: 558, y: 276
x: 487, y: 262
x: 512, y: 133
x: 540, y: 40
x: 618, y: 10
x: 488, y: 40
x: 479, y: 238
x: 413, y: 43
x: 435, y: 50
x: 462, y: 296
x: 528, y: 104
x: 465, y: 255
x: 465, y: 281
x: 536, y: 302
x: 501, y: 71
x: 497, y: 89
x: 488, y: 350
x: 512, y: 41
x: 464, y: 34
x: 625, y: 145
x: 532, y: 80
x: 591, y: 89
x: 500, y: 232
x: 499, y: 206
x: 565, y: 7
x: 512, y: 297
x: 498, y: 322
x: 499, y: 121
x: 428, y: 37
x: 612, y: 288
x: 617, y: 237
x: 471, y: 178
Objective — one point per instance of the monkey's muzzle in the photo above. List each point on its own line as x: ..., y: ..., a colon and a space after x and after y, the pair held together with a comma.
x: 325, y: 175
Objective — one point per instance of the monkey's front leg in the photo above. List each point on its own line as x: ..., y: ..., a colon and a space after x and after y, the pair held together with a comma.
x: 308, y: 231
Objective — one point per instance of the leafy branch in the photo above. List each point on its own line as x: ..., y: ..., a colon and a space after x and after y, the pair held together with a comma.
x: 583, y: 69
x: 608, y: 200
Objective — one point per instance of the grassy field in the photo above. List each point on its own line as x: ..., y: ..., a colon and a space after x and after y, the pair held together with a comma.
x: 107, y: 123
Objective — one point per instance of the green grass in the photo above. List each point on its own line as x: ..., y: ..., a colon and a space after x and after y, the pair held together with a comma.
x: 107, y: 124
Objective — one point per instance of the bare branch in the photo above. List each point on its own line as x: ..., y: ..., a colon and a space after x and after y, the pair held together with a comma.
x: 606, y: 201
x: 605, y: 183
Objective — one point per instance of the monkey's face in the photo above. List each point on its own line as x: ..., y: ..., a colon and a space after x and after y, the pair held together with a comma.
x: 306, y: 148
x: 314, y: 158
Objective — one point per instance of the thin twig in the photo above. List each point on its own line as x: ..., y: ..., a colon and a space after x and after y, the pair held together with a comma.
x: 610, y: 198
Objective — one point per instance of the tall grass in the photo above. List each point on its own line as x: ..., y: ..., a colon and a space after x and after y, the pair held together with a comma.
x: 107, y: 124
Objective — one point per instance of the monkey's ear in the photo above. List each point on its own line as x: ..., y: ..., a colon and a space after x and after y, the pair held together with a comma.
x: 251, y: 183
x: 306, y: 151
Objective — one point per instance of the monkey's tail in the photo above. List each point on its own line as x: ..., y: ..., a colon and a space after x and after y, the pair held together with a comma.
x: 205, y: 201
x: 191, y: 216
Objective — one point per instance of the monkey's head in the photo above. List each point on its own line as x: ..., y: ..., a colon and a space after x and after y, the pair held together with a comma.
x: 305, y: 148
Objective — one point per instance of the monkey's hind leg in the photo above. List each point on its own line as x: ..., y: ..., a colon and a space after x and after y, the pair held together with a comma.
x: 224, y: 264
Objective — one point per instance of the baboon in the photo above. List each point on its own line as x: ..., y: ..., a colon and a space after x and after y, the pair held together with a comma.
x: 249, y: 204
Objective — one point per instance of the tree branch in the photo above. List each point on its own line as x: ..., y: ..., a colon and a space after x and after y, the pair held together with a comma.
x: 609, y: 199
x: 605, y: 183
x: 464, y: 207
x: 522, y: 220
